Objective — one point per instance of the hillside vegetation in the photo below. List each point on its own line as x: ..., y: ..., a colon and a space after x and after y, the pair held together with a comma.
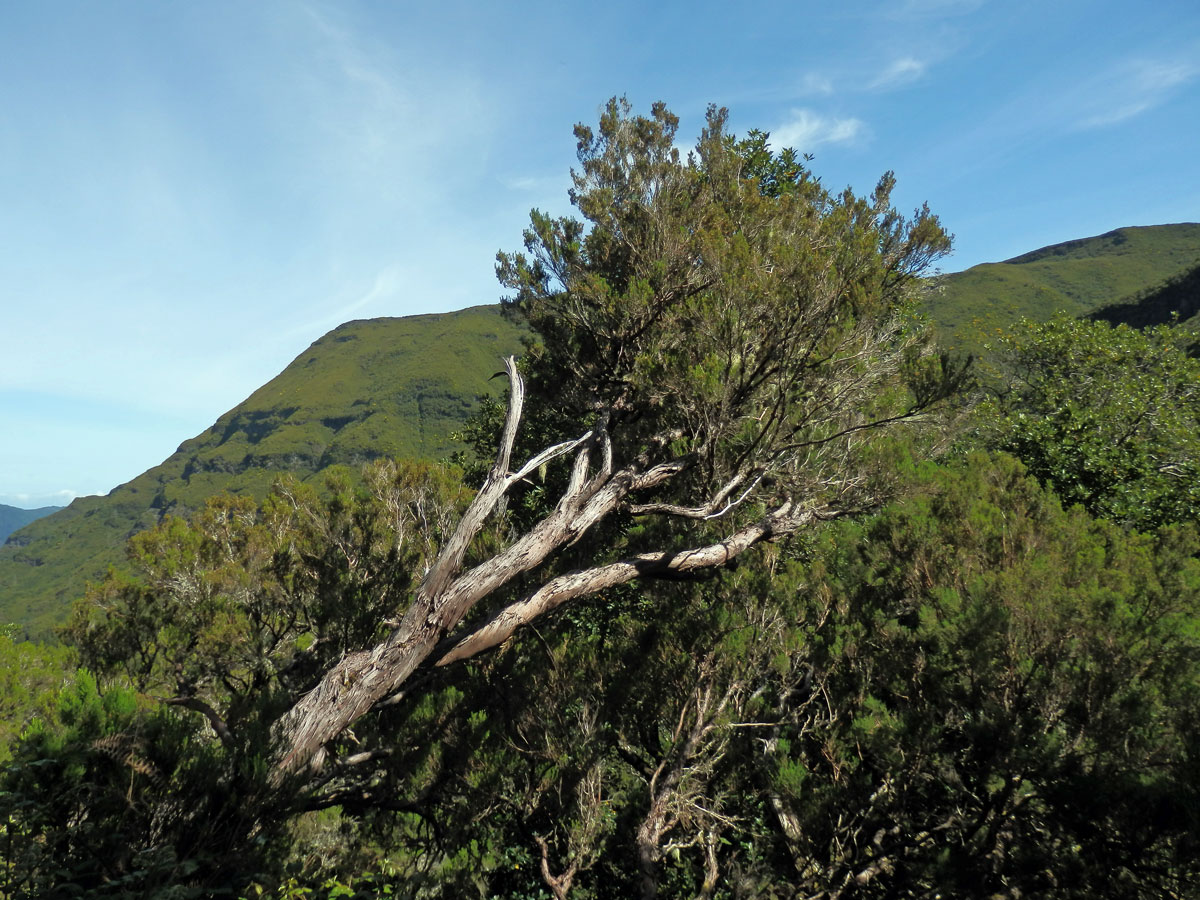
x: 13, y: 517
x: 1075, y: 277
x: 742, y: 589
x: 367, y: 389
x: 1176, y: 298
x: 401, y: 386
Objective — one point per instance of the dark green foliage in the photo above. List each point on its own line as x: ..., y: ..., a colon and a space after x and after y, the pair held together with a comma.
x: 1017, y: 679
x: 108, y: 798
x: 975, y: 693
x: 1108, y: 417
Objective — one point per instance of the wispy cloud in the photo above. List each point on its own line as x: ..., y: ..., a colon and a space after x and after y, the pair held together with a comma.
x: 386, y: 286
x: 354, y: 96
x: 555, y: 184
x: 902, y: 71
x: 806, y: 130
x: 37, y: 501
x: 1132, y: 88
x: 814, y: 84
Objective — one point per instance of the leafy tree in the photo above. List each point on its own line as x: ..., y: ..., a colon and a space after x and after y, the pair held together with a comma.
x: 1002, y: 702
x: 30, y: 675
x: 246, y: 604
x: 711, y: 354
x: 724, y: 350
x: 1109, y: 417
x: 975, y: 693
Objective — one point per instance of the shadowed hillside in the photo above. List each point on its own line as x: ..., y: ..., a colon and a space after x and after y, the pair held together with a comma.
x: 1076, y: 277
x: 379, y: 387
x: 1177, y: 297
x: 13, y: 518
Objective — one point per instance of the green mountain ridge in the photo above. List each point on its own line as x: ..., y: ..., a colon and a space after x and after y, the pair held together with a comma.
x: 368, y: 388
x: 1176, y: 299
x: 402, y: 386
x: 13, y: 518
x: 1076, y: 277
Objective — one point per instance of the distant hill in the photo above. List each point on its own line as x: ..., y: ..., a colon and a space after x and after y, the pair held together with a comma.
x: 13, y: 517
x: 399, y: 387
x: 1177, y: 297
x: 1077, y: 277
x: 379, y: 387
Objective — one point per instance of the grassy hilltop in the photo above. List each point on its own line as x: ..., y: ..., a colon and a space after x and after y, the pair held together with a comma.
x: 379, y: 387
x: 399, y: 387
x: 1076, y: 277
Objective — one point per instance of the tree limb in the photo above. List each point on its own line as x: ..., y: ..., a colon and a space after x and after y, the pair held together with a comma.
x: 214, y: 719
x: 584, y: 582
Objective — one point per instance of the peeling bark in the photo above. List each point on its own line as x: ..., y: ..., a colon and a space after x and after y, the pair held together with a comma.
x: 362, y: 680
x: 594, y: 491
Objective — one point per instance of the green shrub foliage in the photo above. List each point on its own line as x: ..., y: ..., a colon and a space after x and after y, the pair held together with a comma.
x: 984, y: 688
x: 1109, y: 417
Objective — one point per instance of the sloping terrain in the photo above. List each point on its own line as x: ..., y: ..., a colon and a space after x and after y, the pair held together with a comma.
x: 13, y: 517
x: 400, y: 387
x: 1176, y: 298
x: 379, y: 387
x: 1077, y: 277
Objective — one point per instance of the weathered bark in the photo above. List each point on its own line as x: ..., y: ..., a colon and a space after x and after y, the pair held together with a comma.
x: 584, y: 582
x: 560, y: 885
x: 363, y: 679
x: 594, y: 491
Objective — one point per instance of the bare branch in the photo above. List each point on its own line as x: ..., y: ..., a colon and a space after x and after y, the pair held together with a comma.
x: 544, y: 457
x: 584, y: 582
x: 710, y: 510
x: 450, y: 559
x: 214, y: 719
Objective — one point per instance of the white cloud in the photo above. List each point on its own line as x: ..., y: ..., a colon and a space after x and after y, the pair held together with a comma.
x: 1132, y: 88
x: 805, y: 130
x: 25, y: 500
x: 904, y: 70
x: 816, y: 85
x: 554, y: 185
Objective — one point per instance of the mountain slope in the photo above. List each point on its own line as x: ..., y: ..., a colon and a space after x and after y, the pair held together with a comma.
x: 13, y: 518
x: 399, y: 387
x: 1077, y: 277
x: 379, y: 387
x: 1177, y: 297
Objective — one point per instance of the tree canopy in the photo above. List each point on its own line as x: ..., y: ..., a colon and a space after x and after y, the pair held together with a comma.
x: 1107, y: 415
x: 700, y: 613
x: 715, y: 354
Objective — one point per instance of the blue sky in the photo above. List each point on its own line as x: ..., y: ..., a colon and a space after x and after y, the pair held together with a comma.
x: 192, y: 193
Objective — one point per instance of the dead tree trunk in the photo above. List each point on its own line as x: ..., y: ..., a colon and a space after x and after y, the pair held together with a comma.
x: 594, y: 491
